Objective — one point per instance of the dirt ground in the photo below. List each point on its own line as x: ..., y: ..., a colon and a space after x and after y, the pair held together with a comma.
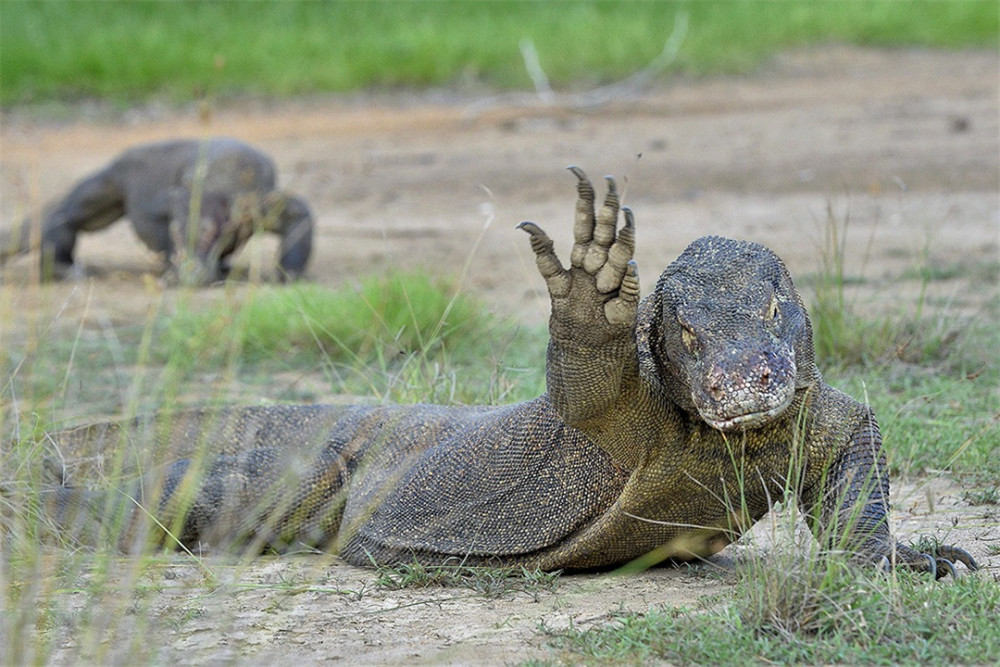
x: 904, y: 143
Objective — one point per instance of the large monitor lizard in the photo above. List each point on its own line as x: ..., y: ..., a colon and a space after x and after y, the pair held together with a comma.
x: 671, y: 424
x: 227, y: 185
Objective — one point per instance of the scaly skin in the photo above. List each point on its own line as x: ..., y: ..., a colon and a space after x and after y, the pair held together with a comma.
x: 226, y: 184
x: 669, y: 427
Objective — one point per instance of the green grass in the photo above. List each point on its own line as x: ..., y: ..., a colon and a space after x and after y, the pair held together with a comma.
x: 987, y: 496
x: 801, y: 614
x: 930, y: 375
x: 935, y: 387
x: 395, y: 314
x: 405, y: 337
x: 401, y: 337
x: 136, y: 51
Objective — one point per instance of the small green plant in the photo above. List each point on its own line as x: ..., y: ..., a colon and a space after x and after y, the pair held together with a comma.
x: 989, y: 496
x: 840, y: 336
x: 492, y: 582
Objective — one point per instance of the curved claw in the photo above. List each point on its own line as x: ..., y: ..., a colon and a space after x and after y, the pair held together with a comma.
x: 945, y: 567
x: 629, y: 218
x: 612, y: 186
x: 583, y: 187
x: 931, y: 564
x: 540, y: 241
x: 530, y: 227
x: 956, y: 554
x: 541, y: 244
x: 583, y: 217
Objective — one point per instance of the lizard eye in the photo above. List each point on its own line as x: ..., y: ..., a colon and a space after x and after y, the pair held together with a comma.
x: 772, y: 309
x: 689, y: 339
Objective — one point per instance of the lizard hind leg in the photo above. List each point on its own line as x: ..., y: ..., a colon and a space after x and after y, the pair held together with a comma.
x: 91, y: 205
x: 939, y: 562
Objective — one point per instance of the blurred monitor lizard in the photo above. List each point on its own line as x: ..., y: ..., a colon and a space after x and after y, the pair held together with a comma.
x: 226, y: 186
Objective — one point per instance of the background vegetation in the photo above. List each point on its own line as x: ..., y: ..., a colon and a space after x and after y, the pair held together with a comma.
x: 130, y: 52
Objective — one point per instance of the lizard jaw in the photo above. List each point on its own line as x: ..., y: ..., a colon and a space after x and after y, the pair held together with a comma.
x: 748, y: 420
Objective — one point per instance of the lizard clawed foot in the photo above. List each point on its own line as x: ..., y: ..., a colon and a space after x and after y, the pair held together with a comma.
x: 940, y: 562
x: 602, y: 273
x: 945, y: 556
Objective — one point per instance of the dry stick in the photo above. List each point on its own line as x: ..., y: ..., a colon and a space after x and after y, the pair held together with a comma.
x: 535, y: 71
x: 587, y: 100
x: 643, y: 77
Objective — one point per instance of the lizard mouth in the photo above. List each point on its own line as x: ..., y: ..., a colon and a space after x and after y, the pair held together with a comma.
x: 747, y: 420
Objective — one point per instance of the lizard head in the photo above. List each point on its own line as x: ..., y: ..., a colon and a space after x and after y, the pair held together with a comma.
x: 726, y: 335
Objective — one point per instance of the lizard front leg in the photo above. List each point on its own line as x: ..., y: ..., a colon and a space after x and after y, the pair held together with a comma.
x: 852, y: 512
x: 592, y: 347
x: 290, y: 218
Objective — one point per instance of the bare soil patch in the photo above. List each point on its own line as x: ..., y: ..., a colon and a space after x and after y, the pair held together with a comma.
x: 905, y: 143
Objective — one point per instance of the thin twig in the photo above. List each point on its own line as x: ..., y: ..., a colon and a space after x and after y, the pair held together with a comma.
x: 544, y: 96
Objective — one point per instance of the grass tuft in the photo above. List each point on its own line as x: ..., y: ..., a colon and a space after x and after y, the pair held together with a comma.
x: 988, y: 496
x: 809, y: 613
x: 491, y: 582
x: 385, y: 315
x: 404, y: 337
x: 929, y: 374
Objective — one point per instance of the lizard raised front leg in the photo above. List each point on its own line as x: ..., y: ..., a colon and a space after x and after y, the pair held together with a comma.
x: 594, y: 303
x: 592, y: 363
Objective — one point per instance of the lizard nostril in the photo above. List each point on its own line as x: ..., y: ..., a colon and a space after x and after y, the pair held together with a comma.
x: 715, y: 390
x: 715, y: 383
x: 765, y: 378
